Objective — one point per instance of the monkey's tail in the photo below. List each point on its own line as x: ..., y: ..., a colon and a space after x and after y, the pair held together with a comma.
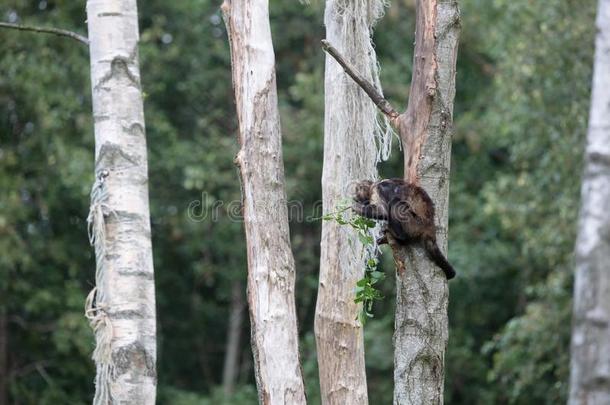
x: 437, y: 257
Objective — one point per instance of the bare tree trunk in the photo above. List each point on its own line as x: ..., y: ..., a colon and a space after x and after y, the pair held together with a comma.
x: 421, y: 330
x: 236, y: 318
x: 350, y: 154
x: 122, y: 307
x: 271, y: 272
x: 590, y: 363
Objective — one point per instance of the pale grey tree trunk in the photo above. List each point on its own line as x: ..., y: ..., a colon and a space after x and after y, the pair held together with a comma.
x: 350, y: 154
x: 236, y: 318
x: 122, y: 307
x: 271, y: 271
x: 421, y: 324
x: 590, y: 362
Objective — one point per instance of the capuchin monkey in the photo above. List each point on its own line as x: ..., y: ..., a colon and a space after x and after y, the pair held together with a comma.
x: 409, y: 212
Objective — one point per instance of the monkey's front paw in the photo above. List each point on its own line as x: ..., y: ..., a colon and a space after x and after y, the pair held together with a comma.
x: 358, y: 207
x: 382, y: 240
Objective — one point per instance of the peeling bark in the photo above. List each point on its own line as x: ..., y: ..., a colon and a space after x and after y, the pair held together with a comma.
x: 413, y: 124
x: 120, y: 152
x: 590, y: 362
x: 271, y: 270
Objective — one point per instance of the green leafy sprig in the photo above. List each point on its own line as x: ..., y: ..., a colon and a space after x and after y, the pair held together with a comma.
x: 366, y: 289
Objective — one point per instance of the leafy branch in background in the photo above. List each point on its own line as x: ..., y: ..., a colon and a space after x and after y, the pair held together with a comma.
x: 366, y: 290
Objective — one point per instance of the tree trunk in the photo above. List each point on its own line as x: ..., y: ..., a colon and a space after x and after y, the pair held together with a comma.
x: 590, y: 363
x: 350, y: 154
x: 122, y: 307
x: 231, y: 365
x: 271, y: 272
x: 421, y: 330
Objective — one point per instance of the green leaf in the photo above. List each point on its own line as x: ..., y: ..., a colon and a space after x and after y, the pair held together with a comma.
x: 377, y: 275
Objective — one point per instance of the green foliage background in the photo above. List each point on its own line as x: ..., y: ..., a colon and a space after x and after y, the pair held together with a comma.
x: 524, y: 75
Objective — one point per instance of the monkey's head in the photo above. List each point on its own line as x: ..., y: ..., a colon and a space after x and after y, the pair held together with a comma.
x: 362, y: 192
x: 378, y: 194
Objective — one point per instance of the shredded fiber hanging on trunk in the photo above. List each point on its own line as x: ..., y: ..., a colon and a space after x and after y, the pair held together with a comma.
x: 349, y: 27
x: 95, y: 307
x: 357, y: 19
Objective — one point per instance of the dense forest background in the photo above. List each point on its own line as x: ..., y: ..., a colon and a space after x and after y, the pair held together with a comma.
x: 524, y: 74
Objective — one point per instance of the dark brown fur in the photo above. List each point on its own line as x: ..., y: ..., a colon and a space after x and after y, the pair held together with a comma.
x: 409, y: 212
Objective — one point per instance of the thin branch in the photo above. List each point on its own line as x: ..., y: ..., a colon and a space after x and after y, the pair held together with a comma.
x: 54, y: 31
x: 377, y: 98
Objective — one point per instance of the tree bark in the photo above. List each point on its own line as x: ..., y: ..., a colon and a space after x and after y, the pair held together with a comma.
x: 590, y: 362
x: 271, y: 271
x: 231, y: 365
x: 421, y: 329
x: 350, y: 154
x: 125, y: 292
